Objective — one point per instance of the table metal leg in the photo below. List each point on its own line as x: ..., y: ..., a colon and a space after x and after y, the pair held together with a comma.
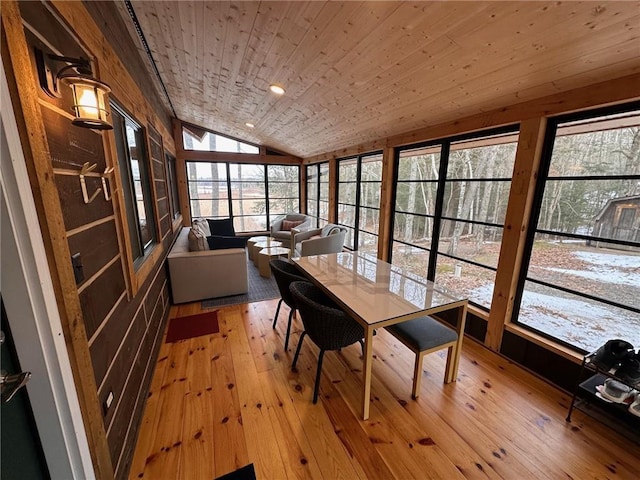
x: 460, y: 324
x: 366, y: 371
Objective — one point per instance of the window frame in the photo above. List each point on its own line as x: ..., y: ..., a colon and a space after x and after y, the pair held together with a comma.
x: 172, y: 180
x: 318, y: 199
x: 358, y: 192
x: 228, y: 183
x: 139, y: 252
x: 441, y: 183
x: 543, y: 176
x: 191, y: 130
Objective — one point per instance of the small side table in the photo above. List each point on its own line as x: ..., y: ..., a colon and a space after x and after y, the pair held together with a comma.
x: 252, y: 241
x: 266, y: 255
x: 268, y: 243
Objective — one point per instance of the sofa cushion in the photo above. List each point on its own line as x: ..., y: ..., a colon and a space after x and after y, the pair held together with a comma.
x: 222, y: 227
x: 197, y: 240
x: 218, y: 242
x: 287, y: 225
x: 330, y: 229
x: 202, y: 225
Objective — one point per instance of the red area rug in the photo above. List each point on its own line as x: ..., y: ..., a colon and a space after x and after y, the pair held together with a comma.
x: 182, y: 328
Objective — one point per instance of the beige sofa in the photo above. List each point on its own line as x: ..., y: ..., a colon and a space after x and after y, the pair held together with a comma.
x: 205, y: 274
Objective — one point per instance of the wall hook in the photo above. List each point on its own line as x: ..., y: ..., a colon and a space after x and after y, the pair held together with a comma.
x: 106, y: 184
x: 86, y: 168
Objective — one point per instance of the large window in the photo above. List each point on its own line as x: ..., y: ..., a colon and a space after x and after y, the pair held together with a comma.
x: 283, y: 187
x: 253, y: 195
x: 136, y: 184
x: 582, y: 274
x: 358, y: 209
x: 450, y: 203
x: 248, y: 197
x: 194, y: 138
x: 318, y: 193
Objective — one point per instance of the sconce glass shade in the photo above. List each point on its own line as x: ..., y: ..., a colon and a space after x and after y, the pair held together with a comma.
x: 89, y: 102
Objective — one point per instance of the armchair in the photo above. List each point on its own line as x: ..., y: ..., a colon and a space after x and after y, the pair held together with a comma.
x: 328, y: 239
x: 281, y: 227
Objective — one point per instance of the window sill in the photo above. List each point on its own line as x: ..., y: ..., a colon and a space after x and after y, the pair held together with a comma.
x: 478, y: 312
x: 144, y: 270
x: 176, y: 224
x: 544, y: 342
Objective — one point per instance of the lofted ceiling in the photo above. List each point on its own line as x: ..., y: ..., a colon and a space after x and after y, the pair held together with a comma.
x: 356, y: 72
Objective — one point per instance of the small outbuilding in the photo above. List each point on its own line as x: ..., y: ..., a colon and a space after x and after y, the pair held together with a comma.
x: 619, y: 219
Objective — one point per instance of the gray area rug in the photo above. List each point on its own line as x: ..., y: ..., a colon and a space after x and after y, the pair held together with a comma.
x: 260, y: 289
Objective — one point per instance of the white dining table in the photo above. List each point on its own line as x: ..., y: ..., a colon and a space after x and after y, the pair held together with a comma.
x: 377, y: 294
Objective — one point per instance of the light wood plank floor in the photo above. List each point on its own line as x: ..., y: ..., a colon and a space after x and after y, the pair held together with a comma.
x: 222, y: 401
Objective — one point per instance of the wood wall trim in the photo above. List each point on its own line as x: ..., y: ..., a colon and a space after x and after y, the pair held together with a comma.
x: 96, y: 275
x: 15, y: 54
x: 349, y: 151
x: 89, y: 226
x: 181, y: 174
x: 386, y: 208
x: 106, y: 319
x: 333, y: 190
x: 302, y: 188
x: 111, y: 70
x: 612, y: 92
x: 516, y: 223
x: 202, y: 156
x: 544, y: 342
x: 126, y: 90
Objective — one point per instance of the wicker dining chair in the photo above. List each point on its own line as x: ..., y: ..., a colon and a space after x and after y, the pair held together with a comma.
x: 327, y: 326
x: 285, y: 273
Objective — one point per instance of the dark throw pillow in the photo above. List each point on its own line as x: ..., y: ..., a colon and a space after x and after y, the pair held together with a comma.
x: 223, y: 227
x: 218, y: 242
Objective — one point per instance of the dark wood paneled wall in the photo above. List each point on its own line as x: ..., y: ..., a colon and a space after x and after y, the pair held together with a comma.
x: 108, y: 20
x: 123, y: 326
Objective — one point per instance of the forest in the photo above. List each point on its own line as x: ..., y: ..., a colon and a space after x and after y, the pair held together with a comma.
x: 585, y: 257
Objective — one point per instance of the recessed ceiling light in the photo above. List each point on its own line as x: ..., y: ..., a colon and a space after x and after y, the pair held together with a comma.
x: 249, y: 124
x: 277, y: 89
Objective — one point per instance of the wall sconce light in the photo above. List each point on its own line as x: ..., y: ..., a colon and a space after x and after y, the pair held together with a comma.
x: 89, y: 94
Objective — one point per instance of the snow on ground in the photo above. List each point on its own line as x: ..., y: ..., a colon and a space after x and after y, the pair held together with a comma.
x: 603, y: 274
x: 609, y: 259
x: 578, y: 322
x: 606, y: 268
x: 582, y: 323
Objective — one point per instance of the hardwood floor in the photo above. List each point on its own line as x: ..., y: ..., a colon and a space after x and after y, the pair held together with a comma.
x: 222, y: 401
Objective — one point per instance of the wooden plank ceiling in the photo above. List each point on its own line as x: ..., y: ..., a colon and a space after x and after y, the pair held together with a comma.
x: 356, y: 72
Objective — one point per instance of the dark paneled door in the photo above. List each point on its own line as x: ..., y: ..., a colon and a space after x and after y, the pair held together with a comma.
x: 21, y: 454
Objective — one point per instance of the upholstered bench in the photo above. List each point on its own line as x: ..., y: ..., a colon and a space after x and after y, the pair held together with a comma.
x: 425, y: 335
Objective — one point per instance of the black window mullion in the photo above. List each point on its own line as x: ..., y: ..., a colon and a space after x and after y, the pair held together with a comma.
x: 335, y: 207
x: 266, y: 192
x: 396, y: 164
x: 545, y: 164
x: 472, y: 222
x: 317, y: 199
x: 229, y: 199
x: 435, y: 239
x: 356, y: 228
